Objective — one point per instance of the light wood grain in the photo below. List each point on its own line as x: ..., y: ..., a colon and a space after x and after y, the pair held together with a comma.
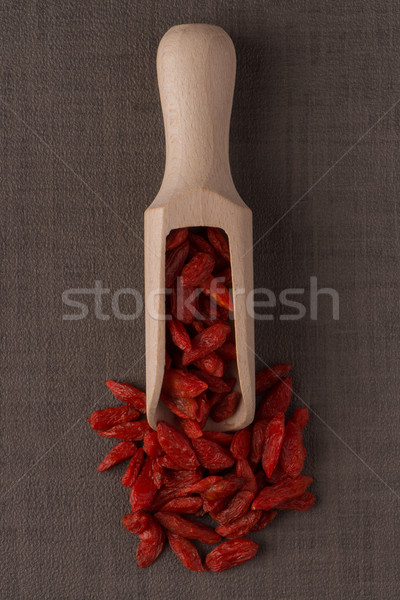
x: 196, y: 67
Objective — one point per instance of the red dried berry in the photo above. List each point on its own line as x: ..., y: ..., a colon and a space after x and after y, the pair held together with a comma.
x: 174, y: 261
x: 230, y: 554
x: 241, y: 526
x: 176, y: 237
x: 220, y: 437
x: 212, y: 455
x: 225, y: 407
x: 176, y: 445
x: 217, y: 291
x: 186, y: 408
x: 128, y: 394
x: 133, y: 469
x: 219, y: 243
x: 200, y: 486
x: 144, y: 488
x: 180, y: 384
x: 244, y: 470
x: 136, y: 522
x: 227, y: 351
x: 179, y: 335
x: 187, y: 528
x: 117, y: 454
x: 277, y: 400
x: 215, y: 384
x: 269, y: 376
x: 199, y: 267
x: 211, y: 364
x: 272, y: 496
x: 293, y: 453
x: 188, y: 506
x: 151, y: 445
x: 266, y: 518
x: 223, y: 488
x: 191, y: 428
x: 237, y: 507
x: 133, y: 431
x: 302, y: 503
x: 184, y: 302
x: 301, y: 417
x: 274, y: 433
x: 206, y: 341
x: 186, y: 552
x: 108, y: 417
x: 257, y: 441
x: 240, y: 445
x: 151, y: 544
x: 199, y: 244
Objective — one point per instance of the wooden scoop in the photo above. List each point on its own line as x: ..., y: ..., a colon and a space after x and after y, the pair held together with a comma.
x: 196, y: 67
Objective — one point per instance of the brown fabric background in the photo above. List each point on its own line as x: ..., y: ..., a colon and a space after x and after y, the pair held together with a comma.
x: 82, y: 157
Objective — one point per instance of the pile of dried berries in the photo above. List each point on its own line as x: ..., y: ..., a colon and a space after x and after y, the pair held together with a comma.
x: 241, y: 480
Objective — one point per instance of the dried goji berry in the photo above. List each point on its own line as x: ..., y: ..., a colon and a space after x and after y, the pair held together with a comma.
x: 132, y: 431
x: 184, y: 302
x: 293, y: 452
x: 179, y: 335
x: 277, y: 400
x: 206, y: 341
x: 220, y: 437
x: 274, y: 433
x: 212, y: 455
x: 176, y: 445
x: 174, y: 261
x: 257, y: 442
x: 191, y: 428
x: 211, y: 364
x: 199, y: 244
x: 180, y: 384
x: 199, y: 267
x: 117, y: 454
x: 237, y: 507
x: 240, y: 445
x: 186, y: 408
x: 144, y: 488
x: 185, y: 551
x: 200, y: 486
x: 158, y: 473
x: 241, y: 526
x: 151, y: 445
x: 225, y: 407
x: 133, y: 469
x: 269, y: 376
x: 219, y: 243
x: 108, y: 417
x: 244, y: 470
x: 227, y: 351
x: 215, y: 384
x: 136, y: 522
x: 230, y: 554
x: 128, y: 394
x: 184, y: 505
x: 272, y: 496
x: 277, y: 475
x: 266, y: 518
x: 176, y: 237
x: 151, y: 544
x: 218, y: 291
x: 302, y: 503
x: 301, y: 416
x: 223, y: 488
x: 187, y: 528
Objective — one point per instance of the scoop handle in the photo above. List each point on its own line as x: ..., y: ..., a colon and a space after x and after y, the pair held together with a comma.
x: 196, y: 66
